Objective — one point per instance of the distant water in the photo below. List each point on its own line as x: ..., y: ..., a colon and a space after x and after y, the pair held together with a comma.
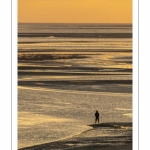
x: 68, y: 71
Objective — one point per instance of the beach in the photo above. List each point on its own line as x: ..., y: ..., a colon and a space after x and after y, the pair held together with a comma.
x: 65, y: 73
x: 121, y: 139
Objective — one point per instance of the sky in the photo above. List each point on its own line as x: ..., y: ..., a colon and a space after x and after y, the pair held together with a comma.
x: 75, y: 11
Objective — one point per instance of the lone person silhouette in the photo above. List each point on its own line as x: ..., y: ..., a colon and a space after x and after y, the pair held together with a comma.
x: 96, y: 116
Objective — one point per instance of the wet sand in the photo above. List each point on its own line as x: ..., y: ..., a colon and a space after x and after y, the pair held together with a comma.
x: 94, y: 140
x: 78, y: 63
x: 78, y: 35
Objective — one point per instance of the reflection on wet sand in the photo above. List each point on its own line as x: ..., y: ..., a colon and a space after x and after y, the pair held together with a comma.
x: 65, y: 73
x: 28, y: 119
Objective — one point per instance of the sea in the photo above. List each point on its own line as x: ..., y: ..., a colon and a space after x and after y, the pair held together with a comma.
x: 68, y: 71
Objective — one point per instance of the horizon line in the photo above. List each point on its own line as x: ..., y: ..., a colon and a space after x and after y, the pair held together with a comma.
x: 77, y: 22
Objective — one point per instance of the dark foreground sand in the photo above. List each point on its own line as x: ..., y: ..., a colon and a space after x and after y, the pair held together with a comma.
x: 96, y: 138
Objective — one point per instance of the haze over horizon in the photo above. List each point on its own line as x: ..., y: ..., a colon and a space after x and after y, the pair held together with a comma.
x: 74, y: 11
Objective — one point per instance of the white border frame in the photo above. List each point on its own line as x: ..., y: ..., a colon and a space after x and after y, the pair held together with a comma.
x: 8, y: 75
x: 135, y: 78
x: 14, y: 74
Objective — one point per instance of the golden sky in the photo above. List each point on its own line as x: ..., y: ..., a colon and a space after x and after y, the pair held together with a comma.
x: 75, y: 11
